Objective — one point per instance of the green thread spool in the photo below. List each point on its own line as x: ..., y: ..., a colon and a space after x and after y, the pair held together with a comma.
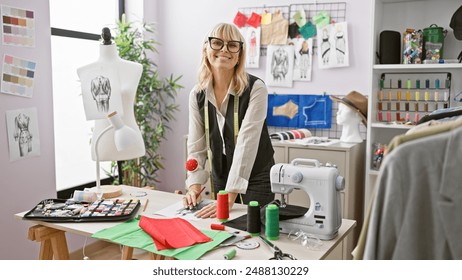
x: 230, y: 254
x: 272, y: 222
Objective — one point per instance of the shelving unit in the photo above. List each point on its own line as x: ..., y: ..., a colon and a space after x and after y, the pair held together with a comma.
x: 398, y: 15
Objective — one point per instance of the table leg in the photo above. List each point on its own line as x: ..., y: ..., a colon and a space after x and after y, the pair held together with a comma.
x: 127, y: 253
x: 53, y: 244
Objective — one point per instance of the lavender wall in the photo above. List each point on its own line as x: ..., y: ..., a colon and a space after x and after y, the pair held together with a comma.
x: 26, y: 181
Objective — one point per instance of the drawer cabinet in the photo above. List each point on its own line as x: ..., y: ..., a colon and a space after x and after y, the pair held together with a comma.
x: 349, y: 159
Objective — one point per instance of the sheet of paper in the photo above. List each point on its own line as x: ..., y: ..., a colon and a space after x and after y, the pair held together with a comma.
x: 177, y: 210
x: 318, y: 141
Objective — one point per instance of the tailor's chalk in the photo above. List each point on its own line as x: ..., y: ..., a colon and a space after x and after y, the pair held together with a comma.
x: 230, y: 254
x: 145, y: 205
x: 217, y: 227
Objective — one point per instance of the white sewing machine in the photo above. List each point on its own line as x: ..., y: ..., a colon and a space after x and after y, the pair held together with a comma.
x: 323, y: 186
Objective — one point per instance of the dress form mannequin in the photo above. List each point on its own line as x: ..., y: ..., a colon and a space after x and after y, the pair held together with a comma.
x: 349, y: 119
x: 128, y: 75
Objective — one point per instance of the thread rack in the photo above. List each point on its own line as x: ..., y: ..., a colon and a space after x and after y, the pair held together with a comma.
x: 404, y: 98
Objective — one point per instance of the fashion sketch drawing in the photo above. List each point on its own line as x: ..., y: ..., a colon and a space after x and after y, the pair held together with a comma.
x: 333, y: 45
x: 252, y: 37
x: 101, y: 92
x: 23, y: 133
x: 303, y: 58
x: 280, y: 63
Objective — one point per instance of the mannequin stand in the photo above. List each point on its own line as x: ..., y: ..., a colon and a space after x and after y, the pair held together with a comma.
x: 109, y: 191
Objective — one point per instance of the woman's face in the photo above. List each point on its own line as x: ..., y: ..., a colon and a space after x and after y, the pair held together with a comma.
x: 222, y: 59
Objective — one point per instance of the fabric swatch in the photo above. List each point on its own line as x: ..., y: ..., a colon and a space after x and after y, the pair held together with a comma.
x: 172, y: 233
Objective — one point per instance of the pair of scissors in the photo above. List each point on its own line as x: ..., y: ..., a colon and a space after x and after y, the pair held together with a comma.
x: 278, y: 254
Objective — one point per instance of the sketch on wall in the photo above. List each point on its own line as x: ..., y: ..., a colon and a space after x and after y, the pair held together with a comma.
x: 252, y: 39
x: 280, y: 65
x: 101, y: 93
x: 303, y: 58
x: 23, y: 133
x: 333, y: 45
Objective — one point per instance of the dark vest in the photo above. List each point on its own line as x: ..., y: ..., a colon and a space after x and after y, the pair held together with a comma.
x: 221, y: 164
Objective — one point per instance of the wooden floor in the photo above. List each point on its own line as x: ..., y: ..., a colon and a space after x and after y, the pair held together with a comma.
x: 101, y: 250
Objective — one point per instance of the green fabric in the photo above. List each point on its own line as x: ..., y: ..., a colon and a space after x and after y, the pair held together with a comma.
x: 130, y: 234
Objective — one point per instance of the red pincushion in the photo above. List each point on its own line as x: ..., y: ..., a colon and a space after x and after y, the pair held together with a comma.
x: 191, y: 165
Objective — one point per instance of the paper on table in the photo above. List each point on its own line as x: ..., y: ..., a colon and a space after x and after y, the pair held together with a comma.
x: 318, y: 141
x: 177, y: 210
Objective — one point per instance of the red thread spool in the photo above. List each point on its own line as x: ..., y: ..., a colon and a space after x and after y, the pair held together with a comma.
x: 222, y: 206
x: 191, y: 165
x: 217, y: 227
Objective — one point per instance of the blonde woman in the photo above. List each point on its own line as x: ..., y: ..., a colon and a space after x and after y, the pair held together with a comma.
x: 224, y: 97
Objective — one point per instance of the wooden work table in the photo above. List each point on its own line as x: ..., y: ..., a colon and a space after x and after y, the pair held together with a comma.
x: 53, y: 244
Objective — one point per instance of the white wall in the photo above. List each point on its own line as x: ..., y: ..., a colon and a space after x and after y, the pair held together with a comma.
x: 182, y: 26
x: 25, y: 182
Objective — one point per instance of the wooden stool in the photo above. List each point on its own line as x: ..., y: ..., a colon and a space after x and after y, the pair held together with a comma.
x: 53, y: 244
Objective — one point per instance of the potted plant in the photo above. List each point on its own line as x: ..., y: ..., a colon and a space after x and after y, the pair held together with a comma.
x: 154, y: 105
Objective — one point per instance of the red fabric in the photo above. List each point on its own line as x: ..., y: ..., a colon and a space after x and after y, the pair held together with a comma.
x: 254, y: 20
x: 172, y: 233
x: 240, y: 19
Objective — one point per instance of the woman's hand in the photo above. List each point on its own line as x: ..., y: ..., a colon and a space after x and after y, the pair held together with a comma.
x: 209, y: 211
x: 192, y: 197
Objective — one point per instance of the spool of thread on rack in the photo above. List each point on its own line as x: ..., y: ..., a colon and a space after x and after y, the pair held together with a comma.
x: 253, y: 218
x: 222, y: 206
x: 272, y: 222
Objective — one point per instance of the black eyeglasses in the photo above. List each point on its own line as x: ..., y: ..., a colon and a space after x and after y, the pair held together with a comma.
x: 232, y: 46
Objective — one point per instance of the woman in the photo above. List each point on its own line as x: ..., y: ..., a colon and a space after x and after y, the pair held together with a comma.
x: 228, y: 106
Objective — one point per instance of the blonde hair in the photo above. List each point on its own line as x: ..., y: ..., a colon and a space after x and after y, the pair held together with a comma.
x: 226, y: 32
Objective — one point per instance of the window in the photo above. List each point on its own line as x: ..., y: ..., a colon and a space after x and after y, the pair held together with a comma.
x: 76, y: 27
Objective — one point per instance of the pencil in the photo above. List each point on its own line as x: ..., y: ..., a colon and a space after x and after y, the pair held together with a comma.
x: 145, y: 205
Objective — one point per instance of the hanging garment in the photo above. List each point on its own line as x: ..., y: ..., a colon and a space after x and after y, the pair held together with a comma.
x: 433, y: 129
x: 417, y: 209
x: 276, y: 32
